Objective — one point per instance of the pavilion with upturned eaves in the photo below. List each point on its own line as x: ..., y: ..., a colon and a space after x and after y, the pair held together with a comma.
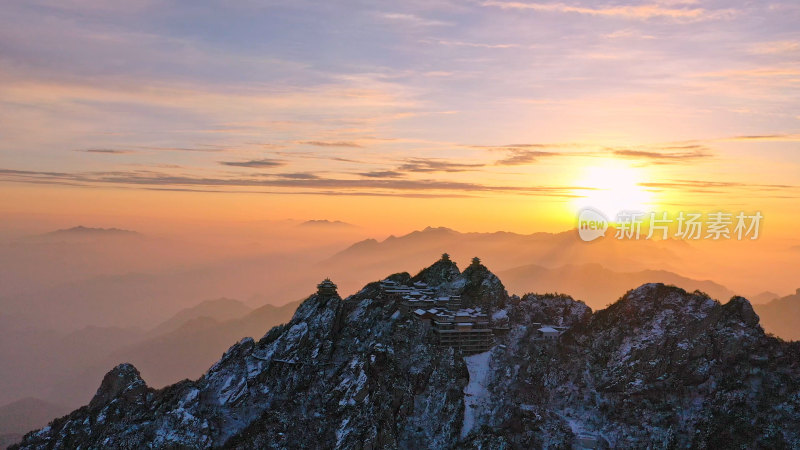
x: 327, y: 288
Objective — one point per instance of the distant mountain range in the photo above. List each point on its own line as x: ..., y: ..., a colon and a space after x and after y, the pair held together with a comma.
x: 598, y: 286
x: 324, y: 223
x: 763, y: 297
x: 144, y: 298
x: 63, y: 368
x: 23, y: 415
x: 82, y: 231
x: 505, y: 250
x: 184, y: 352
x: 540, y: 262
x: 218, y: 310
x: 782, y: 316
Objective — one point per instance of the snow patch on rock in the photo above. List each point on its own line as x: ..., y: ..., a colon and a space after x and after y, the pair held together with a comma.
x: 476, y: 394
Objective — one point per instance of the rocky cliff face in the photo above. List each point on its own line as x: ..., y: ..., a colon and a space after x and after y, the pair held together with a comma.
x: 482, y: 287
x: 442, y: 272
x: 660, y: 368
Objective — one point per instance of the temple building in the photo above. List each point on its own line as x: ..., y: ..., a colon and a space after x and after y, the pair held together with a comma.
x: 419, y: 296
x: 439, y: 310
x: 327, y: 288
x: 466, y: 330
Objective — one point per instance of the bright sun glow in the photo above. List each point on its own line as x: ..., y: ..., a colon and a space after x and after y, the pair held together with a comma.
x: 613, y: 187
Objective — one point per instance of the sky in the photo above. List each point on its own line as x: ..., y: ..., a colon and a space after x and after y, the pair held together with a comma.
x: 479, y: 115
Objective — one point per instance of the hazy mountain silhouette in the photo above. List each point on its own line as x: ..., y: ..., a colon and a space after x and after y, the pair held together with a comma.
x: 81, y: 230
x: 41, y: 262
x: 221, y: 309
x: 764, y: 297
x: 782, y: 316
x: 144, y: 299
x: 326, y: 224
x: 21, y: 416
x: 32, y: 357
x: 596, y: 285
x: 504, y: 250
x: 185, y: 352
x: 143, y: 296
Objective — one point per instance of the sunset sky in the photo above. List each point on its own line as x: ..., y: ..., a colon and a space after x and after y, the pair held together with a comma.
x: 479, y: 115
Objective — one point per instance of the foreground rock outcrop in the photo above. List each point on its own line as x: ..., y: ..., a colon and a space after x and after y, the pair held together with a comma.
x: 660, y: 368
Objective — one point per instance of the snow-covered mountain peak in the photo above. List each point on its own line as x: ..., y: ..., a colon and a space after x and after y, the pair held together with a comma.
x: 660, y: 367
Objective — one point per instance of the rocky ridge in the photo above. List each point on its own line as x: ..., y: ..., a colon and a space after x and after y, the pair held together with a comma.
x: 659, y: 368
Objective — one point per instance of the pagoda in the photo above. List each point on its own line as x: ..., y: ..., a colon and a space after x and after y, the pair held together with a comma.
x: 327, y: 288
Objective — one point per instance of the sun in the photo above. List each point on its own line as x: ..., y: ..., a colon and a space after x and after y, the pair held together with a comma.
x: 612, y: 187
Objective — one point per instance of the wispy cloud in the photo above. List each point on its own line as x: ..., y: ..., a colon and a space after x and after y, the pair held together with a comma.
x: 110, y: 151
x: 774, y: 47
x: 425, y: 165
x: 311, y: 155
x: 774, y: 74
x: 628, y: 34
x: 328, y: 193
x: 450, y: 43
x: 766, y: 137
x: 205, y: 148
x: 199, y: 148
x: 669, y: 155
x: 382, y: 174
x: 298, y: 176
x: 520, y: 156
x: 349, y: 144
x: 505, y: 147
x: 293, y: 184
x: 725, y: 188
x: 646, y: 11
x: 412, y: 19
x: 255, y: 164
